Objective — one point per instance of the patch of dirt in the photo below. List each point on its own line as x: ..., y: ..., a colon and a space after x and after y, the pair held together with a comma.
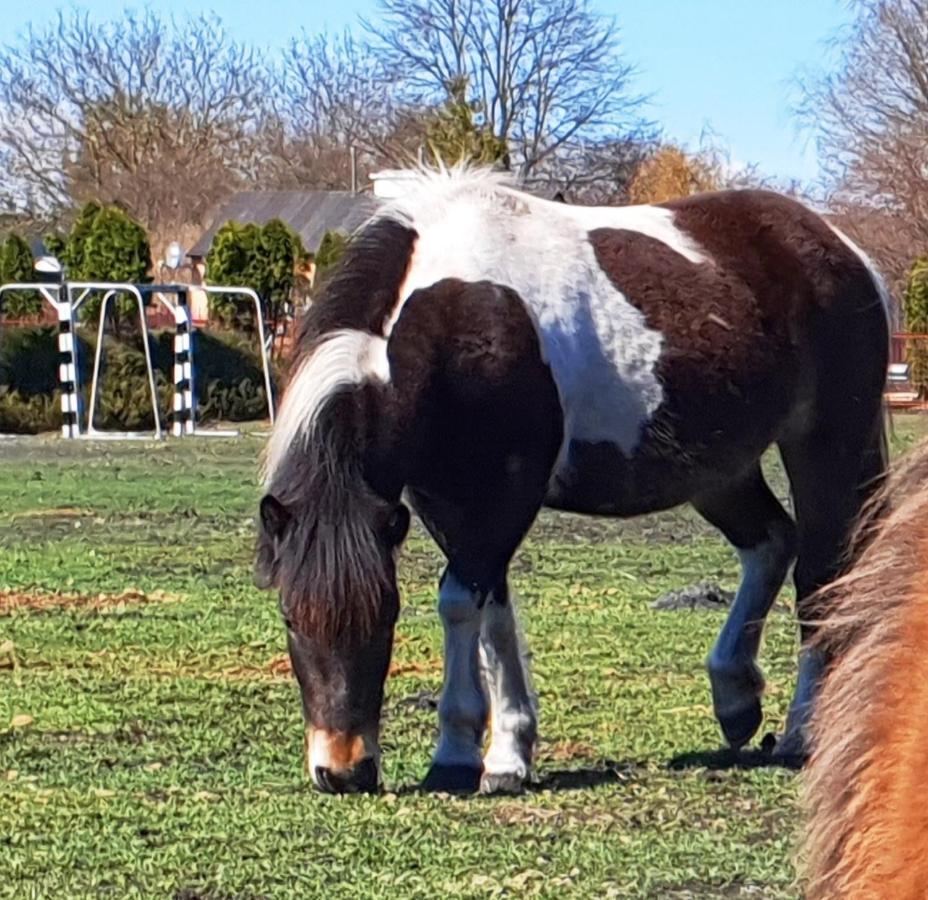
x: 15, y: 601
x: 706, y: 595
x: 56, y: 512
x: 565, y: 751
x: 278, y: 667
x: 416, y: 667
x: 421, y: 700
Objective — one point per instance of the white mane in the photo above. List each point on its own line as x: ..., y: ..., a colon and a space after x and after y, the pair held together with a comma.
x: 344, y: 358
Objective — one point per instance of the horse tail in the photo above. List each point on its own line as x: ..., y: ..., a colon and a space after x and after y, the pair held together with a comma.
x: 867, y: 831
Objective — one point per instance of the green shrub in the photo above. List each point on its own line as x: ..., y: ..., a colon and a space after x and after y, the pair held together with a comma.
x: 230, y: 382
x: 16, y: 265
x: 25, y: 414
x: 29, y: 359
x: 124, y: 401
x: 106, y: 244
x: 331, y: 250
x: 55, y: 245
x: 262, y: 258
x: 454, y: 134
x: 73, y: 252
x: 915, y: 307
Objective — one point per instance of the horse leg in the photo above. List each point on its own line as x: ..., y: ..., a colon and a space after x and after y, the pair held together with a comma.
x: 462, y: 710
x: 481, y: 643
x: 832, y: 474
x: 507, y: 764
x: 753, y: 520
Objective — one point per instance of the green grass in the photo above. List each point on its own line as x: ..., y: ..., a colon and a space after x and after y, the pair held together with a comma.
x: 148, y: 749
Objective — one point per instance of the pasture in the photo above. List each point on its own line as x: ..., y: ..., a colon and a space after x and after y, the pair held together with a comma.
x: 150, y: 734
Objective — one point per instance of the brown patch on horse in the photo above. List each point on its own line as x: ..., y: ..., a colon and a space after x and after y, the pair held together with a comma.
x: 867, y: 834
x: 779, y: 338
x: 17, y: 601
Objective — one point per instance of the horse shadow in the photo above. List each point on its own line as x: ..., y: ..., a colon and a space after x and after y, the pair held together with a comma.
x: 724, y: 758
x: 611, y: 772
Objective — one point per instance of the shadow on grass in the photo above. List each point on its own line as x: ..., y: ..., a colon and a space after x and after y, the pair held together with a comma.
x: 726, y: 758
x: 608, y: 772
x: 555, y: 780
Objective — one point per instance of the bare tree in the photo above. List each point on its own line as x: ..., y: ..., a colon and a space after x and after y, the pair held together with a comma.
x: 870, y: 116
x: 163, y: 118
x: 548, y: 75
x: 334, y: 94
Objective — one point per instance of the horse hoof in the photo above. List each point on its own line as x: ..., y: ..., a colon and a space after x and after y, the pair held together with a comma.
x: 502, y: 783
x: 789, y: 750
x: 741, y: 726
x: 452, y: 779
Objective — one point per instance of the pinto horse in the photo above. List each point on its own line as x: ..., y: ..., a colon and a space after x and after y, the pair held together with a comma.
x: 488, y: 353
x: 867, y: 836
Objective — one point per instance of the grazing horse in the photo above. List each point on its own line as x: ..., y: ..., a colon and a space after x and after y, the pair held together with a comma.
x: 867, y: 836
x: 489, y: 353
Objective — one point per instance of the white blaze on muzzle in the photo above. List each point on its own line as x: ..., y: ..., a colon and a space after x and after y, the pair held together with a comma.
x: 337, y: 751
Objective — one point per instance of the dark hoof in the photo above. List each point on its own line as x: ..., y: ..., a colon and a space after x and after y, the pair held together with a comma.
x: 790, y: 757
x: 452, y: 780
x: 502, y: 783
x: 740, y: 727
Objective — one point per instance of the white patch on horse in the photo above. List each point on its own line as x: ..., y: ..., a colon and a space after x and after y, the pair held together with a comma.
x: 344, y: 358
x: 513, y: 706
x: 327, y: 750
x: 602, y: 354
x: 462, y: 710
x: 652, y: 221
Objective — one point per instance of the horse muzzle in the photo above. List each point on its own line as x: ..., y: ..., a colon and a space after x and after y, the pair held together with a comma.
x: 340, y: 763
x: 362, y: 779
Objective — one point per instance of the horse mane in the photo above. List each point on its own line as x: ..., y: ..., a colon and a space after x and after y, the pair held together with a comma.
x: 331, y: 566
x: 867, y: 831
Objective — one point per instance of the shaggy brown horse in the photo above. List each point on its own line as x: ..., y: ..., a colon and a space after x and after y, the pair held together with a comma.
x: 483, y: 353
x: 867, y: 836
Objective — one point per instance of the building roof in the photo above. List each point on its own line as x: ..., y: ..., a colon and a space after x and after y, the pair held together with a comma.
x: 310, y: 213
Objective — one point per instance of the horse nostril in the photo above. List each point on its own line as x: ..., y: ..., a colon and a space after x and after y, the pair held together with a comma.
x: 362, y: 779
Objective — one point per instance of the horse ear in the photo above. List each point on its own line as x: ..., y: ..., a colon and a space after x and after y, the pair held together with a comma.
x: 275, y: 517
x: 397, y: 525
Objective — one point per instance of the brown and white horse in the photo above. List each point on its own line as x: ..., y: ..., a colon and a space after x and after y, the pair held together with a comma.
x: 487, y: 353
x: 867, y: 836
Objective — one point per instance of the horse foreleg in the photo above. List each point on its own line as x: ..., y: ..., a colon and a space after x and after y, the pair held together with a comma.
x: 462, y: 710
x: 513, y: 718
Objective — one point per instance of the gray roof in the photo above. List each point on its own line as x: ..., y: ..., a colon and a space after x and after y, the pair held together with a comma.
x: 310, y: 213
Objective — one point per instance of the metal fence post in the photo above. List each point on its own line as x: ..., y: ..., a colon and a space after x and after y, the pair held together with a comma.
x: 67, y: 369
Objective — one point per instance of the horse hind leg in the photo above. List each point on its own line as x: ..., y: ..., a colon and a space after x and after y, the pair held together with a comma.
x: 833, y: 472
x: 764, y: 535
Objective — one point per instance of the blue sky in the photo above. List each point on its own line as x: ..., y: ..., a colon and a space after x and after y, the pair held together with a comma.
x: 727, y: 65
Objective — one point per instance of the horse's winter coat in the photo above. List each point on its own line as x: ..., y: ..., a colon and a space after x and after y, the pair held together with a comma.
x: 488, y: 352
x: 867, y: 837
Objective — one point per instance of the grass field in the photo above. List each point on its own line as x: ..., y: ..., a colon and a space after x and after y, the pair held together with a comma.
x: 150, y: 737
